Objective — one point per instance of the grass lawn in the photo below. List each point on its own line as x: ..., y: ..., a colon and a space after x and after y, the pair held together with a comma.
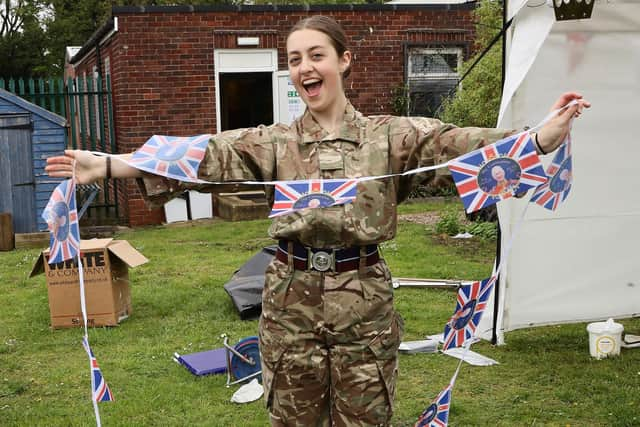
x: 545, y: 375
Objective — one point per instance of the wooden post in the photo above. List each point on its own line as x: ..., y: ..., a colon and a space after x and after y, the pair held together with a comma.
x: 6, y: 232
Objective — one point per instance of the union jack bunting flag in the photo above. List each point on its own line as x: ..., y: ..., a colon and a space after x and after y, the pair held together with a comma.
x: 560, y: 174
x: 496, y: 172
x: 292, y: 196
x: 172, y: 156
x: 100, y: 391
x: 437, y: 414
x: 61, y: 216
x: 470, y: 304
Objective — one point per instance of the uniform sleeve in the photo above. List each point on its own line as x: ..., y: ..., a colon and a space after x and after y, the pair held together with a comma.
x: 236, y: 155
x: 416, y: 142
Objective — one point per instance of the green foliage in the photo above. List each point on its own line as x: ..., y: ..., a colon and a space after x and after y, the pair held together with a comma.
x: 71, y: 24
x: 477, y: 100
x: 434, y: 189
x: 22, y: 39
x: 449, y: 224
x: 400, y: 100
x: 484, y: 230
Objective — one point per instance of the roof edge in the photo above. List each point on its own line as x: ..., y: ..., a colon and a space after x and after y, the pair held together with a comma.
x: 95, y: 37
x: 36, y: 109
x: 125, y: 10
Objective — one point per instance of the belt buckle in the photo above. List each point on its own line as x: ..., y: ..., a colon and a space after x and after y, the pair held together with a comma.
x: 321, y: 260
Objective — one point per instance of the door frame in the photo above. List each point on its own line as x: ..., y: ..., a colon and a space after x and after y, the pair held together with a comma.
x: 246, y: 61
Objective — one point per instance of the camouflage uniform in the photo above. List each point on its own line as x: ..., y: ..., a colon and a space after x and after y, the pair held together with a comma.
x: 329, y: 340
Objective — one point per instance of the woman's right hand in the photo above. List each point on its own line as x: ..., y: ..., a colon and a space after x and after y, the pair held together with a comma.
x: 88, y: 167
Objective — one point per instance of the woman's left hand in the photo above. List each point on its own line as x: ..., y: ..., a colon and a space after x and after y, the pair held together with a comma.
x: 554, y: 132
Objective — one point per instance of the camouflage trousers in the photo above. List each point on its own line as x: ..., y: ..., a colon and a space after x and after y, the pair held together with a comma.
x: 329, y: 345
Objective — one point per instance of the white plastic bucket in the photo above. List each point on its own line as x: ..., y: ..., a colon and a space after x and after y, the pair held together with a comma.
x: 604, y: 338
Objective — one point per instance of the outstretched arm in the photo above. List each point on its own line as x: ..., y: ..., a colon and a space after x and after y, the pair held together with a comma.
x: 88, y: 167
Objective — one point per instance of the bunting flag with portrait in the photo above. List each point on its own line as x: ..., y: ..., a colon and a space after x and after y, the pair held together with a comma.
x: 496, y: 172
x: 61, y: 216
x: 437, y: 414
x: 560, y: 177
x: 172, y: 156
x: 291, y: 196
x: 470, y: 304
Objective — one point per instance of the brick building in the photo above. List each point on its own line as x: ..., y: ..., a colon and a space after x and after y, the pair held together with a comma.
x: 186, y: 70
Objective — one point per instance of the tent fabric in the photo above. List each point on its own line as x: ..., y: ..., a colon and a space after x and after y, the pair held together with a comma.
x: 577, y: 264
x: 514, y: 7
x: 530, y: 29
x: 246, y: 284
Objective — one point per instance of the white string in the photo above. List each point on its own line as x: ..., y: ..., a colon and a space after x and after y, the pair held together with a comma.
x: 422, y: 169
x: 507, y: 249
x: 505, y: 252
x: 275, y: 182
x: 551, y: 115
x: 503, y: 258
x: 83, y: 307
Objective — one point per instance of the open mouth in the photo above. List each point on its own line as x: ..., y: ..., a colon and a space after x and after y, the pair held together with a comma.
x: 312, y: 86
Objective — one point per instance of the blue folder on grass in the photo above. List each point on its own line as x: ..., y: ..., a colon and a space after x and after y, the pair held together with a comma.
x: 204, y: 362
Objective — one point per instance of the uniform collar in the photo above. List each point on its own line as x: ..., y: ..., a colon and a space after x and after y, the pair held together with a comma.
x: 349, y: 131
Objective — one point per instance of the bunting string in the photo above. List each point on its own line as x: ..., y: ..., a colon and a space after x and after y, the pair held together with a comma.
x: 483, y: 177
x: 62, y: 218
x: 470, y: 314
x: 167, y: 159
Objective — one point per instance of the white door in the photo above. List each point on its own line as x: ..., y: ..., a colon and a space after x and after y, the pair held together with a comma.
x: 246, y: 87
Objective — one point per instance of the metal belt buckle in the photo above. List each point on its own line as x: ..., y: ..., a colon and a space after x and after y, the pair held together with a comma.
x: 322, y: 261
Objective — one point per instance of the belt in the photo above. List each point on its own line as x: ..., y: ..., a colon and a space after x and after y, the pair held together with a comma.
x: 337, y: 260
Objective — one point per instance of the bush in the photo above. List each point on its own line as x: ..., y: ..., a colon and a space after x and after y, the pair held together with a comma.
x: 449, y: 224
x: 484, y: 230
x: 477, y: 100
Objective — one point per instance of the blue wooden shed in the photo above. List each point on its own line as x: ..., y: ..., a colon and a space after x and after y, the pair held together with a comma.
x: 28, y: 135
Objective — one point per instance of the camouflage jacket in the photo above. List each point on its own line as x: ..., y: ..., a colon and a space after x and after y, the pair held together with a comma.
x: 364, y: 146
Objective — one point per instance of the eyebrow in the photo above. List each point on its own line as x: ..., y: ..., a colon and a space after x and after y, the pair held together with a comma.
x: 293, y: 52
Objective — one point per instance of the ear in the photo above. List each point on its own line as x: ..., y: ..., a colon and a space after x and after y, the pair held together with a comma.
x: 345, y: 61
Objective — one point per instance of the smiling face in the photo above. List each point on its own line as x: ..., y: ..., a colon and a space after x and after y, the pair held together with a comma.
x: 316, y: 69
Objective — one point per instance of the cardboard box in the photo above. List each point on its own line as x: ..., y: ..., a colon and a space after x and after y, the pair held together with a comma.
x: 106, y: 265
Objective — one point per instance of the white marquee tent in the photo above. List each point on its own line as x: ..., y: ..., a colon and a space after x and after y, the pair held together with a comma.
x: 579, y: 263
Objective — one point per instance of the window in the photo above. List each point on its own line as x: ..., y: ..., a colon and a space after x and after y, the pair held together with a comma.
x: 432, y: 74
x: 434, y: 63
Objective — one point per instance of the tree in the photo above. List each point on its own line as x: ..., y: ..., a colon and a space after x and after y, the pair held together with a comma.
x: 477, y: 100
x: 22, y: 39
x: 71, y: 23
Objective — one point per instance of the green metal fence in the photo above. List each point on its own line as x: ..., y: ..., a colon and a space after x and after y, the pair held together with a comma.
x: 87, y: 105
x: 47, y: 93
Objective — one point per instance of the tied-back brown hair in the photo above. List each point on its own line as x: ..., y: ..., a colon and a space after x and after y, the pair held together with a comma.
x: 331, y: 28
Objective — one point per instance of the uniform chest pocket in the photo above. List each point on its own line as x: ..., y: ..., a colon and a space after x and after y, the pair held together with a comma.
x: 331, y: 163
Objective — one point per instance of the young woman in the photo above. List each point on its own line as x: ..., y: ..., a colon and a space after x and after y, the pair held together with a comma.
x: 329, y: 334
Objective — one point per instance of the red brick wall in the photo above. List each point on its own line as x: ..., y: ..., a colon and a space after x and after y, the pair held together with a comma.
x: 162, y: 62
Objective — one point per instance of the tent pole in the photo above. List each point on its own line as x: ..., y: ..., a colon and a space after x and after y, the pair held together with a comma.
x: 496, y: 286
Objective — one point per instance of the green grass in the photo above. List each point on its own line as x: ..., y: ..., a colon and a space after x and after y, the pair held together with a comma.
x: 545, y: 376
